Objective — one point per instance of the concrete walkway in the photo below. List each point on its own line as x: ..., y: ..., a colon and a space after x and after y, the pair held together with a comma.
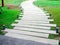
x: 4, y: 40
x: 32, y: 29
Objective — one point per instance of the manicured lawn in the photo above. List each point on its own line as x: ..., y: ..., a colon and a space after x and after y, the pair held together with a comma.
x: 8, y: 16
x: 53, y: 7
x: 55, y: 11
x: 15, y: 2
x: 47, y: 3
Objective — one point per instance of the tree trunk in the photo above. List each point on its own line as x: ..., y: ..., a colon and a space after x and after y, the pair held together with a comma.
x: 2, y: 3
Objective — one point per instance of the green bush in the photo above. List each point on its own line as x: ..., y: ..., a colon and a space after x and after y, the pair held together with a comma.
x: 0, y: 10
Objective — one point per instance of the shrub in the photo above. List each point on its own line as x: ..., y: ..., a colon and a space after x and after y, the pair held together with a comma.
x: 0, y: 10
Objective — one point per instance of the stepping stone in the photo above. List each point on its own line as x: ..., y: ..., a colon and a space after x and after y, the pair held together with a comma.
x: 42, y: 20
x: 22, y: 16
x: 38, y: 14
x: 28, y: 11
x: 28, y: 33
x: 36, y: 39
x: 32, y: 26
x: 36, y: 30
x: 36, y: 20
x: 35, y: 17
x: 32, y: 21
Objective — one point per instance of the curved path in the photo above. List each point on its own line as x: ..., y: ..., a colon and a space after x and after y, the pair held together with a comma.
x: 31, y: 12
x: 27, y: 31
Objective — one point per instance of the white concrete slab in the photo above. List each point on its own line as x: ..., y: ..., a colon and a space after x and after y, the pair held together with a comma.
x: 28, y: 33
x: 36, y: 30
x: 31, y: 21
x: 35, y: 24
x: 35, y: 20
x: 25, y: 37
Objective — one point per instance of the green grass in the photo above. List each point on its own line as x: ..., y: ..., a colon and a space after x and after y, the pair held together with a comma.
x: 8, y: 16
x: 52, y: 36
x: 15, y: 2
x: 53, y: 7
x: 1, y: 32
x: 55, y: 11
x: 47, y: 3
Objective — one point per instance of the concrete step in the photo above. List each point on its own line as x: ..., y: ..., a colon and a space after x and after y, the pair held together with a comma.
x: 35, y: 17
x: 31, y: 18
x: 36, y: 30
x: 36, y: 13
x: 32, y: 21
x: 36, y: 39
x: 28, y: 33
x: 46, y: 16
x: 35, y: 20
x: 32, y: 26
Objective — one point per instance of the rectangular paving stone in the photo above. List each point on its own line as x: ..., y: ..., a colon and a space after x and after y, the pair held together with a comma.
x: 36, y: 20
x: 36, y: 30
x: 31, y: 21
x: 32, y: 26
x: 28, y: 33
x: 35, y: 17
x: 38, y: 14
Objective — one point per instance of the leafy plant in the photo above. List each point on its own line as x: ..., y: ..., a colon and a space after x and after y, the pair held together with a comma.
x: 0, y: 10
